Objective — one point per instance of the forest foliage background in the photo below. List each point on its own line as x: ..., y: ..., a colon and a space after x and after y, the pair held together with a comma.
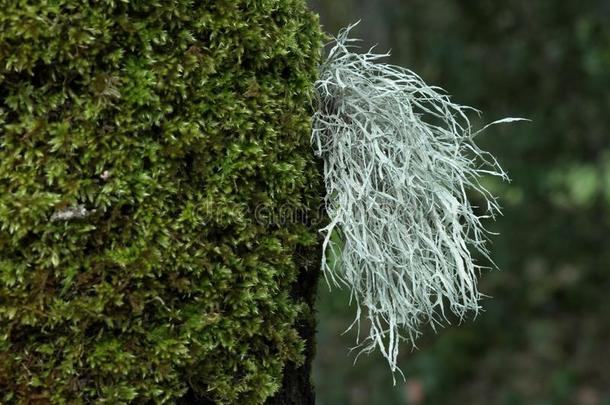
x: 543, y: 338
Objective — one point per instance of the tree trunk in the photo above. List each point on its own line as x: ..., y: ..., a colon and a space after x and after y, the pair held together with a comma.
x: 297, y: 387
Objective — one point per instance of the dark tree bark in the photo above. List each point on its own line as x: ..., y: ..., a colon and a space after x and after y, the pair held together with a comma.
x: 297, y: 387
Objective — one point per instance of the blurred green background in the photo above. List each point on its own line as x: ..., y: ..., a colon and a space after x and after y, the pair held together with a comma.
x: 544, y: 337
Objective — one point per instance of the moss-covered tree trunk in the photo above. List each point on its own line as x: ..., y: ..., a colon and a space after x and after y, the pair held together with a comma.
x: 155, y: 170
x: 297, y: 387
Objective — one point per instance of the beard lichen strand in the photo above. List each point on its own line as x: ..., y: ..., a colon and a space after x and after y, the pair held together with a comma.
x: 398, y: 158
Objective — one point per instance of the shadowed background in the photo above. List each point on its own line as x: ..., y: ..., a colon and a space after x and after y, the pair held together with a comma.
x: 543, y: 338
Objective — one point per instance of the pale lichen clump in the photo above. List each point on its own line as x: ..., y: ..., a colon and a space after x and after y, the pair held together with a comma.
x: 399, y: 158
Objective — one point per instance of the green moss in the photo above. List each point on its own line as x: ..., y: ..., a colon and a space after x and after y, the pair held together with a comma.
x: 171, y: 122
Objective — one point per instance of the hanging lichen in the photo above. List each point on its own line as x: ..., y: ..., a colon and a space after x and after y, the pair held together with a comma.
x: 399, y: 158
